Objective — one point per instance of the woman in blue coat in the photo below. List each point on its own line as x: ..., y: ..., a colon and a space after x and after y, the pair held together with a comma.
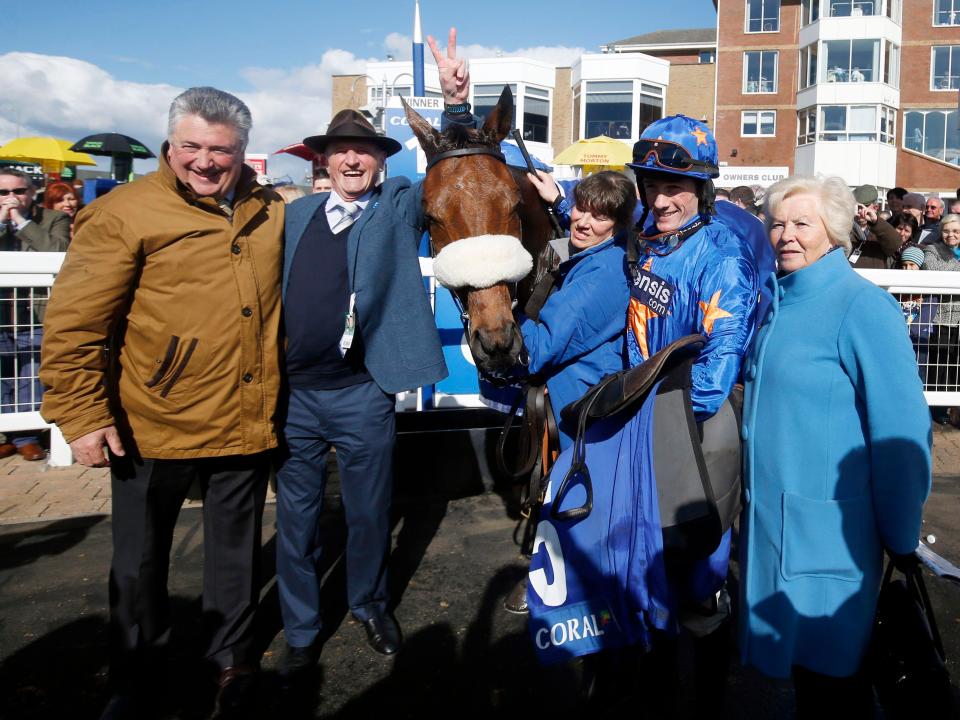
x: 578, y: 338
x: 836, y: 454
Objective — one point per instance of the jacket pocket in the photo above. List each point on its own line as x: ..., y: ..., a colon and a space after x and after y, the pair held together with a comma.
x: 180, y: 354
x: 821, y: 538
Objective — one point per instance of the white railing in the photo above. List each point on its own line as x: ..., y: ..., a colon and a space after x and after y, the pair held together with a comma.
x: 25, y: 280
x: 931, y: 303
x: 26, y: 277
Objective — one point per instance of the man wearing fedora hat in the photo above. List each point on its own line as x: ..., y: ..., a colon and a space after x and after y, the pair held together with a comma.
x: 359, y: 328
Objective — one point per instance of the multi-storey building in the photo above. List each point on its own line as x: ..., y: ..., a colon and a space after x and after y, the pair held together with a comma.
x: 863, y: 89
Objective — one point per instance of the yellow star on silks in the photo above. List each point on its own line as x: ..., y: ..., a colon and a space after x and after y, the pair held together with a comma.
x: 700, y: 135
x: 712, y: 312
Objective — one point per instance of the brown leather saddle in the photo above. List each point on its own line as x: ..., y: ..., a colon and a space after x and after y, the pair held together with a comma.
x: 696, y: 464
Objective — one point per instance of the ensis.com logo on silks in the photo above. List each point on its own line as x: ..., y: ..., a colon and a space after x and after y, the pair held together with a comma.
x: 578, y: 629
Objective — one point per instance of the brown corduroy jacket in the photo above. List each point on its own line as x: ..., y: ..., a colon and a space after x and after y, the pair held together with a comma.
x: 165, y: 320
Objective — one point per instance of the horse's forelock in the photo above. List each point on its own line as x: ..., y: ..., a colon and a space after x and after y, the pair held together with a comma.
x: 457, y: 137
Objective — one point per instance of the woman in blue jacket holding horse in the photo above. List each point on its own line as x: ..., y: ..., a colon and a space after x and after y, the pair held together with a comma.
x: 579, y: 335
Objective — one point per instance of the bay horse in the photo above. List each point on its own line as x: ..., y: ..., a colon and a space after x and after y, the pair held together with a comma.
x: 488, y: 230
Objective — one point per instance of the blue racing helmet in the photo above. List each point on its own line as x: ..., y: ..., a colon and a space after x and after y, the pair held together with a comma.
x: 678, y: 145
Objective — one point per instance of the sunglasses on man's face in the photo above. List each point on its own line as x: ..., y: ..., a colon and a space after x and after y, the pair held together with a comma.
x: 16, y: 191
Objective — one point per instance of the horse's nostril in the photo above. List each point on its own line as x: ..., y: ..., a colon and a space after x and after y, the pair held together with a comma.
x: 496, y: 341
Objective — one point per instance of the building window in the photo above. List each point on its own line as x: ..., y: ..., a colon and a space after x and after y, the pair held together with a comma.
x: 891, y: 64
x: 375, y: 93
x: 708, y: 57
x: 763, y: 16
x: 758, y: 123
x: 894, y: 8
x: 760, y: 71
x: 807, y: 126
x: 576, y: 112
x: 809, y: 11
x: 946, y: 12
x: 850, y: 61
x: 808, y: 66
x: 888, y: 124
x: 485, y: 98
x: 536, y: 114
x: 933, y: 132
x: 945, y: 68
x: 854, y: 8
x: 609, y: 109
x: 852, y: 123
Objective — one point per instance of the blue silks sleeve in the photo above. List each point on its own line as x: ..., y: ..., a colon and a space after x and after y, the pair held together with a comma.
x: 728, y: 302
x: 587, y: 311
x: 877, y: 356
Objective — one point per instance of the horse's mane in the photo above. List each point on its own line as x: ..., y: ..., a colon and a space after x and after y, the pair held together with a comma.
x: 457, y: 137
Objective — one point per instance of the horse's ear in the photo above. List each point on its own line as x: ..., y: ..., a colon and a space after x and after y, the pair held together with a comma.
x: 500, y: 119
x: 425, y: 132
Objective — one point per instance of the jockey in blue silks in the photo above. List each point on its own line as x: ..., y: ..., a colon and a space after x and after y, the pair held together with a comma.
x: 601, y: 581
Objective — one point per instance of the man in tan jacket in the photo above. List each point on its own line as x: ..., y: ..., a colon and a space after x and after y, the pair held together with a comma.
x: 161, y: 358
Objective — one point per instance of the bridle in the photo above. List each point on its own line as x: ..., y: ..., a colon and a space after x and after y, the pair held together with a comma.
x: 467, y: 152
x: 496, y: 379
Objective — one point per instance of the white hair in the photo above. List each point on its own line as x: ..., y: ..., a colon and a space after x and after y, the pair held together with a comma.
x: 837, y: 204
x: 214, y: 106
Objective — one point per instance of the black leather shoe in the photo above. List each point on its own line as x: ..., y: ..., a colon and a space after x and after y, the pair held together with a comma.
x: 235, y: 695
x: 296, y: 660
x: 383, y: 632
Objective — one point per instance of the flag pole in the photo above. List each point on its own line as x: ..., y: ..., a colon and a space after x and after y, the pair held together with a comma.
x: 418, y: 89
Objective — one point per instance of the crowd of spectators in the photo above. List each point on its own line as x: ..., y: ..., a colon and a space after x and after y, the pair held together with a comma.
x: 912, y: 232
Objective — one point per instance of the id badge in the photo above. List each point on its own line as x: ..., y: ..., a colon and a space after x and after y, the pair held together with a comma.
x: 349, y: 327
x: 855, y: 255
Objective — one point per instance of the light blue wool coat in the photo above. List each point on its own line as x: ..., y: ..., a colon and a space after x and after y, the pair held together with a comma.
x: 836, y: 468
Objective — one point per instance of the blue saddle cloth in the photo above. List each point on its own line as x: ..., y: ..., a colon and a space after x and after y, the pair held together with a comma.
x: 600, y: 582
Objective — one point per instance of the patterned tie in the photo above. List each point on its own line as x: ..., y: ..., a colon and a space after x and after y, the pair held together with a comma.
x: 348, y: 215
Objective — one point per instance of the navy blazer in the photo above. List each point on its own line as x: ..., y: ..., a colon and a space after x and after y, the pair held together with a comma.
x: 393, y: 311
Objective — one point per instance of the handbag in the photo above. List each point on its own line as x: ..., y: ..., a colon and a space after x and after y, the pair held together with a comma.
x: 906, y: 660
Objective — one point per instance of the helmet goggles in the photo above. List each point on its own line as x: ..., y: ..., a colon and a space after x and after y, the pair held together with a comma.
x: 667, y: 155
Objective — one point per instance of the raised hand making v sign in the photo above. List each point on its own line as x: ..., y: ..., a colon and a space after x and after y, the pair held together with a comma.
x: 454, y: 72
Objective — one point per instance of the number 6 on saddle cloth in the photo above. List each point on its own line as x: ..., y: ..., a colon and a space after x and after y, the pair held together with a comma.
x: 663, y: 481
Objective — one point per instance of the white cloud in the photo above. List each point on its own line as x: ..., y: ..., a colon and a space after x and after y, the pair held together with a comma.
x: 70, y: 98
x: 398, y: 45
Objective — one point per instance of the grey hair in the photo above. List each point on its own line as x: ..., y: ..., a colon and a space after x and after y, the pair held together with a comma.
x: 26, y: 177
x: 837, y: 204
x: 949, y: 218
x: 214, y: 106
x: 938, y: 199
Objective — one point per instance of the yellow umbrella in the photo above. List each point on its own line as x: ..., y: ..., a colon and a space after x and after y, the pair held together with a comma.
x: 597, y: 151
x: 52, y: 153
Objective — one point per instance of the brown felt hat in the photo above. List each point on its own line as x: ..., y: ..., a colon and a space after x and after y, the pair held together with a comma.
x: 351, y: 125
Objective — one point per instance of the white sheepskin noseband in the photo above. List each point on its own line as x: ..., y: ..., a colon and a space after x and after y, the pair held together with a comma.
x: 482, y: 261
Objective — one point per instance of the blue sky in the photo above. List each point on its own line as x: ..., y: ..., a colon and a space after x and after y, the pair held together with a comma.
x: 125, y: 61
x: 200, y: 41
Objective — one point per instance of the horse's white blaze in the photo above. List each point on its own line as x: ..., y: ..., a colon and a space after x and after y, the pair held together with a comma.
x: 482, y: 261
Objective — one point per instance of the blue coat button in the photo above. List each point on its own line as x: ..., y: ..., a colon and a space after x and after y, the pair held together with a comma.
x: 746, y: 495
x: 743, y: 433
x: 781, y: 292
